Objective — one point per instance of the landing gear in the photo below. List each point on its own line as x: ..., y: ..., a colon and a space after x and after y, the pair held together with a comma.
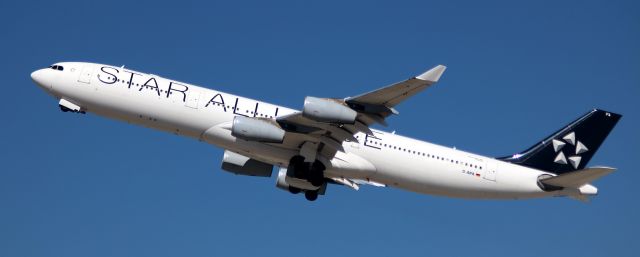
x: 311, y: 195
x: 316, y: 174
x: 294, y: 190
x: 298, y: 167
x: 67, y: 106
x: 311, y: 172
x: 65, y: 109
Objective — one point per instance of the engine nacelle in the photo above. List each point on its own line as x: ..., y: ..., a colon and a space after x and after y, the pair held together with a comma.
x: 328, y: 110
x: 256, y: 129
x: 243, y: 165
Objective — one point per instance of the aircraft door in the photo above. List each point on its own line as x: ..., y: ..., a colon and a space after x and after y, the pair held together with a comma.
x: 85, y: 74
x: 491, y: 168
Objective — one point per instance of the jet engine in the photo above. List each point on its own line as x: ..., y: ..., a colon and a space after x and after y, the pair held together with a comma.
x: 243, y: 165
x: 257, y: 129
x: 328, y: 110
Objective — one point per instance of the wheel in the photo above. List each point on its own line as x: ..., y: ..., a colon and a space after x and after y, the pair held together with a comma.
x: 298, y: 167
x: 316, y: 174
x: 311, y: 195
x: 294, y: 190
x: 316, y: 179
x: 296, y: 159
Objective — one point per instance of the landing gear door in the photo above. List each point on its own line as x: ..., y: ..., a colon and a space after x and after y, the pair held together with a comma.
x: 85, y: 74
x: 491, y: 170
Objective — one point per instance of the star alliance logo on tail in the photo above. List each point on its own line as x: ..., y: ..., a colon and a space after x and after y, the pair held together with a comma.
x: 574, y: 157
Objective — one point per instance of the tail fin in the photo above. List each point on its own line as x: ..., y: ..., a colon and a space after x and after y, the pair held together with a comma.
x: 570, y: 148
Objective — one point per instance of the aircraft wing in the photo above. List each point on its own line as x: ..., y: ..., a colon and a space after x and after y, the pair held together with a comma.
x: 394, y: 94
x: 372, y: 107
x: 376, y: 105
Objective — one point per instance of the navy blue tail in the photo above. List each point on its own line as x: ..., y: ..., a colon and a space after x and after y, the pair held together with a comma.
x: 571, y: 147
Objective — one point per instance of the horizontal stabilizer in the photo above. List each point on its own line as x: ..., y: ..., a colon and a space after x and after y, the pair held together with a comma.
x: 578, y: 178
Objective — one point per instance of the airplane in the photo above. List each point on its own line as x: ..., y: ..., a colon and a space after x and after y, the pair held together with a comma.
x: 331, y: 141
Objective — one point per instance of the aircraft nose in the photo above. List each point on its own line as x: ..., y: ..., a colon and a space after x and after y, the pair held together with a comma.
x: 38, y: 77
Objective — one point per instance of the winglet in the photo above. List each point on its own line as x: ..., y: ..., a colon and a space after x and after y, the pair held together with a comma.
x: 433, y: 75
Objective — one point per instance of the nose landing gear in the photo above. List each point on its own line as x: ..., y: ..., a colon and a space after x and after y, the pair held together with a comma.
x: 65, y: 109
x: 66, y: 106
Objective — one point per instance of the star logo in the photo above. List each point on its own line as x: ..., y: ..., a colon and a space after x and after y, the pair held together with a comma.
x: 574, y: 156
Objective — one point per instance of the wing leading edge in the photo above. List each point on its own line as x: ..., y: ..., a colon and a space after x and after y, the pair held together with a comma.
x: 394, y: 94
x: 372, y: 107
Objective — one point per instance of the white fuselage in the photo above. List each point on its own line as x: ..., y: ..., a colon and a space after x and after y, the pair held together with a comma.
x: 202, y: 113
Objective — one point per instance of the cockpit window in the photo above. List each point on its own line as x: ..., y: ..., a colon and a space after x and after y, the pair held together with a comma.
x: 56, y: 67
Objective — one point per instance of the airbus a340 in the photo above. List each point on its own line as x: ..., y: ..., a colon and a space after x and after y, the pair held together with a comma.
x: 331, y: 141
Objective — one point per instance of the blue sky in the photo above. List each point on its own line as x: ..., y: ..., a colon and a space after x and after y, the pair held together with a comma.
x: 82, y: 185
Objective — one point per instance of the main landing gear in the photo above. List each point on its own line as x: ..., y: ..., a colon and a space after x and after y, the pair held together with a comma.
x: 311, y: 172
x: 310, y: 195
